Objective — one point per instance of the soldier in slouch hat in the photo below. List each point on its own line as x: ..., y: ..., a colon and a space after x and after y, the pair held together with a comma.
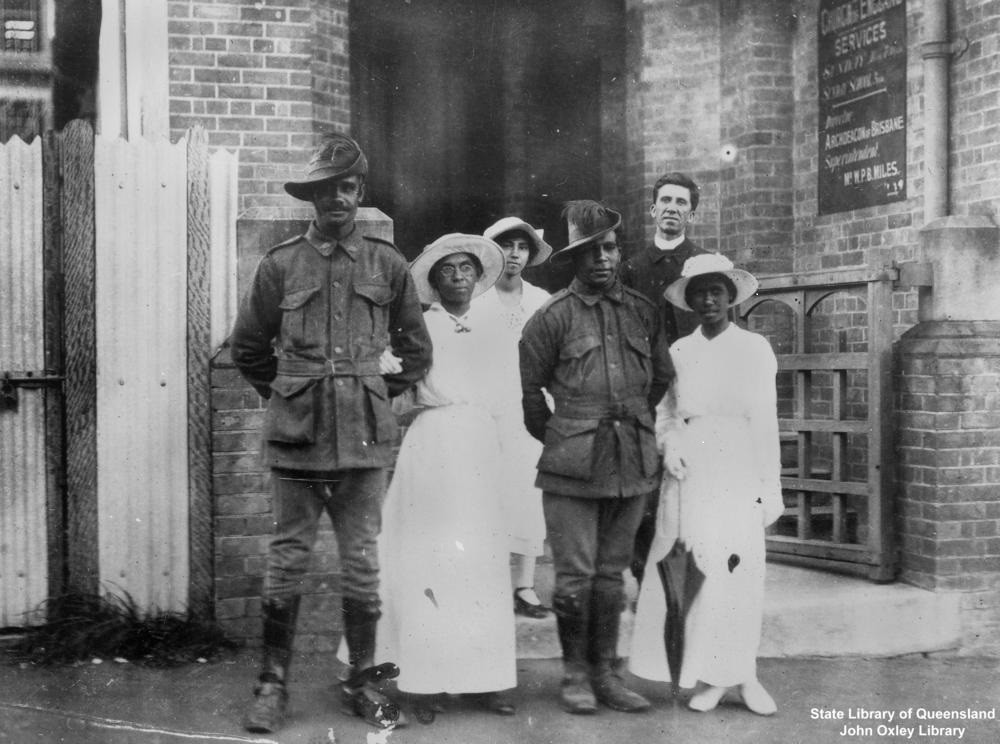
x: 312, y: 336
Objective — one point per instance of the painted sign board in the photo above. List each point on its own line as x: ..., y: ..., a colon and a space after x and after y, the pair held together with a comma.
x: 862, y: 104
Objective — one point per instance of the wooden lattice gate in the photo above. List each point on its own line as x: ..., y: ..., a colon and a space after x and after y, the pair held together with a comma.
x: 833, y: 333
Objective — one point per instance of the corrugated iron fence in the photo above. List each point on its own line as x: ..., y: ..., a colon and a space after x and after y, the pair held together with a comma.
x: 112, y: 254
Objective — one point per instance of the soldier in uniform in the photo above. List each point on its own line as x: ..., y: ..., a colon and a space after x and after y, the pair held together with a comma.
x: 312, y: 336
x: 597, y: 347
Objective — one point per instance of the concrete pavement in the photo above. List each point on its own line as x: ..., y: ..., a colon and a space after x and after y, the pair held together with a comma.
x: 121, y: 704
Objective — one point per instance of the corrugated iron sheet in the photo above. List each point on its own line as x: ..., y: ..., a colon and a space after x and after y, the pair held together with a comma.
x: 142, y: 450
x: 23, y: 530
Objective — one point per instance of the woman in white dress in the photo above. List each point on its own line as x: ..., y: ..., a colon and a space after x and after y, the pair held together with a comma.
x: 444, y: 553
x: 512, y: 300
x: 717, y: 428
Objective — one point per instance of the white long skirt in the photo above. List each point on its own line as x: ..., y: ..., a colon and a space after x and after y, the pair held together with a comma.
x: 521, y: 501
x: 444, y: 554
x: 722, y: 522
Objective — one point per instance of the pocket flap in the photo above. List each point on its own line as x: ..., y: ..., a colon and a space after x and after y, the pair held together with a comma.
x: 378, y: 293
x: 297, y: 298
x: 289, y: 387
x: 640, y: 344
x: 578, y: 346
x: 376, y: 386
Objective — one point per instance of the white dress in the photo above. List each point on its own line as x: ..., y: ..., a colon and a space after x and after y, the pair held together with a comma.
x: 520, y: 451
x: 721, y: 417
x: 443, y: 549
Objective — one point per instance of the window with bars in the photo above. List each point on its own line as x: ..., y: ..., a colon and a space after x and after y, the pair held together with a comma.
x: 21, y: 21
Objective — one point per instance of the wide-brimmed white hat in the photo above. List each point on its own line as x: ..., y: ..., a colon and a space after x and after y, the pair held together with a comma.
x: 489, y: 254
x: 508, y: 224
x: 711, y: 263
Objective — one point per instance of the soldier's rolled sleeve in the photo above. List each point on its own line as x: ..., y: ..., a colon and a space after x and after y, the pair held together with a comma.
x: 539, y: 354
x: 257, y: 324
x: 408, y: 335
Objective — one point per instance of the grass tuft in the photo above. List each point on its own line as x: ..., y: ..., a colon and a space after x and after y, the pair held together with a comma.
x: 80, y: 627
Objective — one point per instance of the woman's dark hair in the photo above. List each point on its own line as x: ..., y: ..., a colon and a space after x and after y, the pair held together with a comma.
x: 514, y: 234
x: 432, y: 274
x: 703, y: 279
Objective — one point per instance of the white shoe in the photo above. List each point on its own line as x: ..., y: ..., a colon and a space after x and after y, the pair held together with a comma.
x: 707, y: 699
x: 757, y: 699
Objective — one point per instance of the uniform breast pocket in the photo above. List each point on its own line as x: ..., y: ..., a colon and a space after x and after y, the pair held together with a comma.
x: 580, y: 355
x: 302, y: 323
x: 374, y: 299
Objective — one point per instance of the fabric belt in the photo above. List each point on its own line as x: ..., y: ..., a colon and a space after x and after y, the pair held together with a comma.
x: 585, y: 409
x: 327, y: 368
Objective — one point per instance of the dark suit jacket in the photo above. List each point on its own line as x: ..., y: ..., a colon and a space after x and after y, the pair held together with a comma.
x: 650, y: 271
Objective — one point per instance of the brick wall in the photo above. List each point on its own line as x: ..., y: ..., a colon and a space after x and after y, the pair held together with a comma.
x: 261, y: 79
x: 948, y: 413
x: 674, y: 98
x: 976, y: 109
x: 755, y: 132
x: 875, y: 236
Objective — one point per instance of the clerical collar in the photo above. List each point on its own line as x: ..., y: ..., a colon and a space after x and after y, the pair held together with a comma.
x: 667, y: 245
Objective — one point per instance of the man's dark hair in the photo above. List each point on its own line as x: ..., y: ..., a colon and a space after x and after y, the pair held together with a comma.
x: 678, y: 179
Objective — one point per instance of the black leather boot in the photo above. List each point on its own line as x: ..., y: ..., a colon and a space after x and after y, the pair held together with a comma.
x: 360, y: 687
x: 609, y: 689
x: 270, y: 704
x: 575, y: 693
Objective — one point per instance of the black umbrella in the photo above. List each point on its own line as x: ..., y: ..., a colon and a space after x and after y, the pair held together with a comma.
x: 682, y: 579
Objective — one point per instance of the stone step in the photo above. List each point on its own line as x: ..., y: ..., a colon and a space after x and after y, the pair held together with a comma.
x: 807, y: 613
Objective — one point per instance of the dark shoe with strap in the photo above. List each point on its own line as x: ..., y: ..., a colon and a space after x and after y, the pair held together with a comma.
x: 576, y: 695
x: 528, y: 609
x: 269, y: 708
x: 610, y: 690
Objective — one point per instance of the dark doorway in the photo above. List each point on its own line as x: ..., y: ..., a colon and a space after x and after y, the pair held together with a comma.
x: 473, y: 111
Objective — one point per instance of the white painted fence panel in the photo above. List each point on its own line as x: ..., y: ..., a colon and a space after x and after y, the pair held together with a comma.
x: 142, y: 446
x: 23, y: 526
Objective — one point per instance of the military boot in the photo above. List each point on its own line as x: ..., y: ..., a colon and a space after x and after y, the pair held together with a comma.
x: 609, y: 688
x: 361, y: 684
x: 575, y: 693
x: 269, y: 708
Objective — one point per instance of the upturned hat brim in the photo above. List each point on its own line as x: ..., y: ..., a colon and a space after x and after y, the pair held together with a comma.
x: 563, y: 255
x: 489, y: 254
x: 324, y: 167
x: 509, y: 224
x: 711, y: 263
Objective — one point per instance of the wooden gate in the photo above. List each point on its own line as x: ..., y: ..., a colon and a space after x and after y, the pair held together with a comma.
x: 833, y: 333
